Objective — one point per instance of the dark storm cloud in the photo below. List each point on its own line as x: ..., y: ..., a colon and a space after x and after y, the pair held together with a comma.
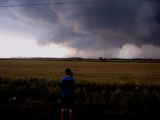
x: 117, y: 23
x: 39, y: 13
x: 96, y: 24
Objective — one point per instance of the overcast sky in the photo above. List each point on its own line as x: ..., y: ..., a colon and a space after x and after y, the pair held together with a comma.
x: 86, y: 28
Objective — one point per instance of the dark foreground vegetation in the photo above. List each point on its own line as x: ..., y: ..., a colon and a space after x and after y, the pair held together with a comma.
x: 38, y: 99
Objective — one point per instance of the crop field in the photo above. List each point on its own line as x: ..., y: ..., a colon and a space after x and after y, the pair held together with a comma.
x: 30, y: 87
x: 92, y: 72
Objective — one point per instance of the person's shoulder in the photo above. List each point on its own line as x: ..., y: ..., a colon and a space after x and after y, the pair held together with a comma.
x: 68, y: 78
x: 63, y: 78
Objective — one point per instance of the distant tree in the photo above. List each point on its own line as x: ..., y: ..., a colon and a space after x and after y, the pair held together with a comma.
x: 100, y: 58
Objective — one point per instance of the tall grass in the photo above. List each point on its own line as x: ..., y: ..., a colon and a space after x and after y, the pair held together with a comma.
x: 121, y: 98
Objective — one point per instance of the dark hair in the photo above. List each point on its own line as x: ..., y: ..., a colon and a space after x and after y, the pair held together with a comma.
x: 69, y: 72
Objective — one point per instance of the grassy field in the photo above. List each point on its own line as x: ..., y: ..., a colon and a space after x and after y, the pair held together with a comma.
x: 29, y: 88
x: 138, y: 72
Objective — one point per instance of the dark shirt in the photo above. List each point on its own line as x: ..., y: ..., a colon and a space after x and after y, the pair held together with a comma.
x: 67, y: 86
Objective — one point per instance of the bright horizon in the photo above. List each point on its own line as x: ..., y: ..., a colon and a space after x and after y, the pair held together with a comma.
x: 27, y: 47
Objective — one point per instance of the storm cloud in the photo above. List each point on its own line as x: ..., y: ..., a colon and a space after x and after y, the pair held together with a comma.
x: 109, y: 28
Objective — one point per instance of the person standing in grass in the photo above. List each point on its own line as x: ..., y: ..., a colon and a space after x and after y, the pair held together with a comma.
x: 67, y: 94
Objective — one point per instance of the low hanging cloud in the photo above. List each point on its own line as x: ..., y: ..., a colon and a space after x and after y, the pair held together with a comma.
x: 133, y: 51
x: 109, y: 28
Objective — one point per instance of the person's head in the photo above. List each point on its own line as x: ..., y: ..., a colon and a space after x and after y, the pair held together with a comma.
x: 68, y: 72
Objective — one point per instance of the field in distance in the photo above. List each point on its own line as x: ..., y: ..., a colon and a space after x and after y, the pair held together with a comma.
x: 105, y: 88
x: 92, y: 71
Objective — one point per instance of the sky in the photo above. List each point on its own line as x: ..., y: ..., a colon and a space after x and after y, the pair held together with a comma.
x: 80, y: 28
